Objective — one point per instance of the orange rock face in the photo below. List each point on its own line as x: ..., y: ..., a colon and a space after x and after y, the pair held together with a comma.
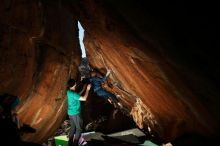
x: 149, y: 83
x: 37, y: 57
x: 40, y: 51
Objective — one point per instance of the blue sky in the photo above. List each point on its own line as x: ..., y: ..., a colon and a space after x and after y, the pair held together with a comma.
x: 81, y: 36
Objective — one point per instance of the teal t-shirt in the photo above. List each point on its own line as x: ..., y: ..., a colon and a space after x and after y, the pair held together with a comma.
x: 73, y: 103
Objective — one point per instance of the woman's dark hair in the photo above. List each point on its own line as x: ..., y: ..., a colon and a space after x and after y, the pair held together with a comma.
x: 71, y: 83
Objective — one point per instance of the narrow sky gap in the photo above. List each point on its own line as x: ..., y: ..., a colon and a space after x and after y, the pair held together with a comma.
x: 81, y: 36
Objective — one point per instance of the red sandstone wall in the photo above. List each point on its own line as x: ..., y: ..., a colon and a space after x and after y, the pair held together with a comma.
x: 153, y: 88
x: 38, y: 55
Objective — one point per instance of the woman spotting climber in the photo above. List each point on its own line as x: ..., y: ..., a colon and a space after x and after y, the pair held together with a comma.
x: 74, y: 110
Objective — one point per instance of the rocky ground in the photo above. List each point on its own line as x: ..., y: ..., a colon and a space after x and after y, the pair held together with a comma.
x: 63, y: 130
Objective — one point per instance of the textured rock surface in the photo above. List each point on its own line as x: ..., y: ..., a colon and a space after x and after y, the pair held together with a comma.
x: 150, y: 83
x: 166, y: 95
x: 37, y: 49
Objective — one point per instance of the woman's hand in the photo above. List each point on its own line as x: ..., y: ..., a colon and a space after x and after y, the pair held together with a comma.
x: 89, y: 87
